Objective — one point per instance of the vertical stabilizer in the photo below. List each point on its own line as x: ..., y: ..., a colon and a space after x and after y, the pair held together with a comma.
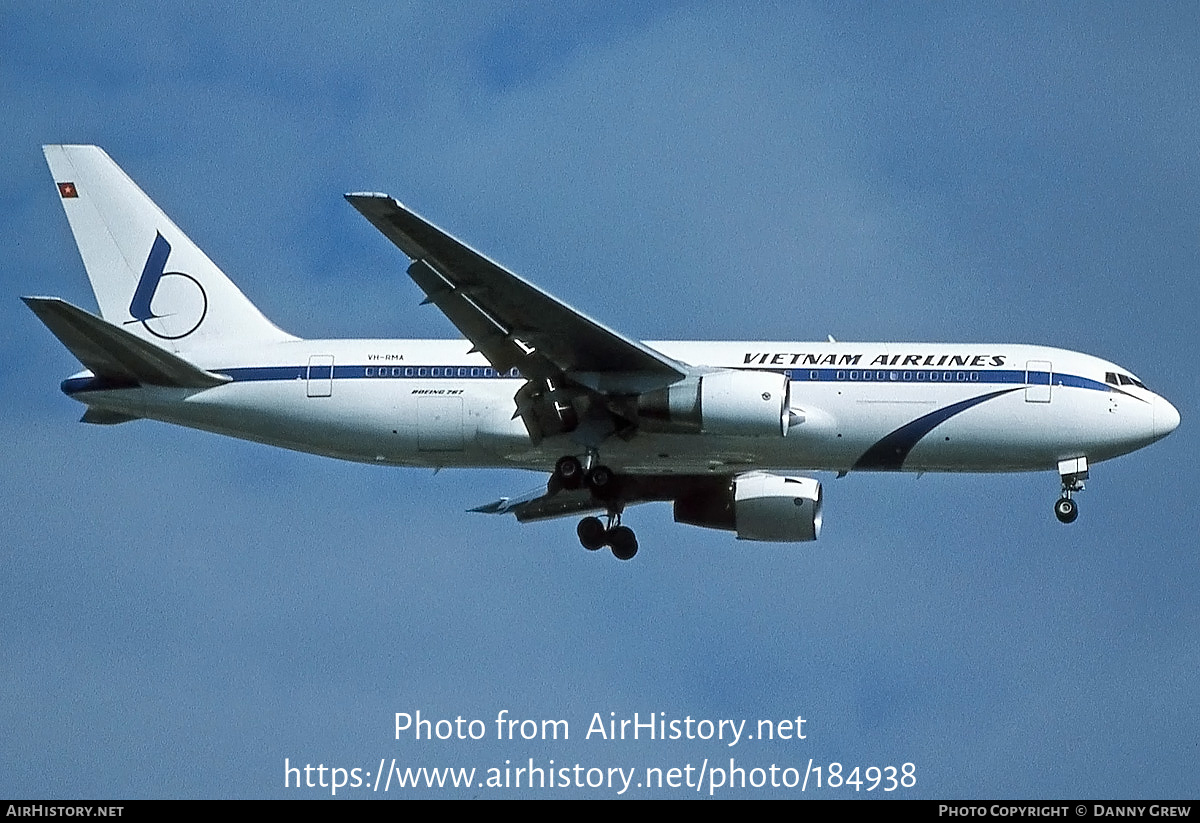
x: 148, y: 277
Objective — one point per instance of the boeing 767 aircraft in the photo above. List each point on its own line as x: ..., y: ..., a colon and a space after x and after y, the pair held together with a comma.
x: 708, y: 426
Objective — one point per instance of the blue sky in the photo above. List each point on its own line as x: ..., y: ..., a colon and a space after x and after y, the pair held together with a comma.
x: 183, y: 612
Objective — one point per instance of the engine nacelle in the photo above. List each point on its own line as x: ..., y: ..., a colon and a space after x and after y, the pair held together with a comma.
x: 758, y: 506
x: 731, y: 402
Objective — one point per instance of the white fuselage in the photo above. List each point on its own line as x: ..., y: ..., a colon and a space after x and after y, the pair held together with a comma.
x: 863, y: 406
x: 717, y: 428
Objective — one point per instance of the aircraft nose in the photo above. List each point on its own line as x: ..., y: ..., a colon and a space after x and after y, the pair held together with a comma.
x: 1166, y: 417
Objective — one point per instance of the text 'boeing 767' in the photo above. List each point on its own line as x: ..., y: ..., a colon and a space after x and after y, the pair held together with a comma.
x: 717, y: 429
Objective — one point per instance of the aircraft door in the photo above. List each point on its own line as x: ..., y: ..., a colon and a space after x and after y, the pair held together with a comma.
x: 1039, y: 374
x: 320, y: 375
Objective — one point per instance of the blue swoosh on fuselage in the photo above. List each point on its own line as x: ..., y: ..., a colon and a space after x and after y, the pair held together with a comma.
x: 890, y: 452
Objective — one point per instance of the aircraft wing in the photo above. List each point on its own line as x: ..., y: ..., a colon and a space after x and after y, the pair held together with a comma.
x: 510, y: 320
x: 541, y: 504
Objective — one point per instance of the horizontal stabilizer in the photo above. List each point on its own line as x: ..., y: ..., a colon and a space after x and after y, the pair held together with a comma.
x: 104, y: 417
x: 113, y: 353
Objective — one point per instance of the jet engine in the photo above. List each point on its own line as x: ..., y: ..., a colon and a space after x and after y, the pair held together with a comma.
x: 758, y: 506
x: 730, y: 402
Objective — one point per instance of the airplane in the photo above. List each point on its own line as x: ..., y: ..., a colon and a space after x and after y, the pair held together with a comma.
x: 724, y: 431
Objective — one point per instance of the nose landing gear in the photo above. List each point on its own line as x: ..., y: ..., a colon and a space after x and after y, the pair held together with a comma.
x: 1073, y: 472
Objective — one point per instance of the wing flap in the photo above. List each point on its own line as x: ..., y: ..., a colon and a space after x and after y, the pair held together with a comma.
x: 488, y: 335
x: 539, y: 505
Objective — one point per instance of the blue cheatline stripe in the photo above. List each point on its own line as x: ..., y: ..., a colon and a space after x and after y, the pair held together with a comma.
x: 258, y: 373
x: 75, y: 385
x: 912, y: 375
x: 253, y: 374
x: 985, y: 376
x: 890, y: 452
x: 1015, y: 377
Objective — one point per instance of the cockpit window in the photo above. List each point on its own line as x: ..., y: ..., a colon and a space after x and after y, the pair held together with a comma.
x: 1115, y: 379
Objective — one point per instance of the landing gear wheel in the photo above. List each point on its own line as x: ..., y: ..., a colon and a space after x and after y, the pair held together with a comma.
x: 623, y: 542
x: 569, y: 472
x: 592, y: 534
x: 1066, y: 510
x: 601, y: 481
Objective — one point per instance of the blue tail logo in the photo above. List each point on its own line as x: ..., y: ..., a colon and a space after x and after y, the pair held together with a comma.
x: 180, y: 296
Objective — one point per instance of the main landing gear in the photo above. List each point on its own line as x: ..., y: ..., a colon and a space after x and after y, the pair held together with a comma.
x: 570, y: 473
x: 1073, y: 472
x: 593, y: 535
